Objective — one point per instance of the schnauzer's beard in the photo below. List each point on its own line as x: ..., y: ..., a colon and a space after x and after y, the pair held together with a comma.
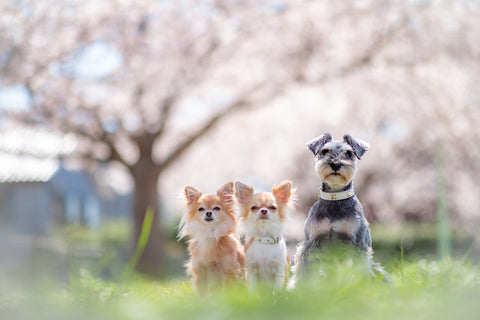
x: 336, y: 181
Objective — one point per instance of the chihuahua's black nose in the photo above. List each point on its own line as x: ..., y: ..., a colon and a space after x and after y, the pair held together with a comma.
x: 264, y: 211
x: 208, y: 214
x: 335, y: 166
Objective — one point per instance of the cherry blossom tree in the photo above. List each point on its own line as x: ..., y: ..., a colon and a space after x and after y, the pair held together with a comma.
x: 141, y: 83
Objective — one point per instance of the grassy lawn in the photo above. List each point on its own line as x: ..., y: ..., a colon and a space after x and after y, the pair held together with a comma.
x: 419, y: 290
x: 421, y: 287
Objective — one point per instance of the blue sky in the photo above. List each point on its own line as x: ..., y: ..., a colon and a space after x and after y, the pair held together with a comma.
x: 91, y: 62
x: 14, y: 97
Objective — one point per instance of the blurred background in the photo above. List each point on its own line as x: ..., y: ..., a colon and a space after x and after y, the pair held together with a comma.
x: 109, y: 108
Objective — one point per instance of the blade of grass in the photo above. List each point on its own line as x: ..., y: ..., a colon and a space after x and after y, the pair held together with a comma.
x: 141, y: 243
x: 443, y: 221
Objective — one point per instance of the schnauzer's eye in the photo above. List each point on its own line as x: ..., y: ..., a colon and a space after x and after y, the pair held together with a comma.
x: 254, y: 208
x: 349, y: 154
x: 324, y: 152
x: 201, y: 209
x: 272, y: 208
x: 216, y: 208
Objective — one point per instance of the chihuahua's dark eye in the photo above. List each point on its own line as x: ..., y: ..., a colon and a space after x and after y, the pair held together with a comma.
x: 201, y: 209
x: 272, y: 208
x: 349, y: 154
x: 216, y: 208
x: 324, y: 152
x: 254, y: 208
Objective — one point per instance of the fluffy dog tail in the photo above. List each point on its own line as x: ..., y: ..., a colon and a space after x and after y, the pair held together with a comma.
x: 379, y: 272
x: 298, y: 267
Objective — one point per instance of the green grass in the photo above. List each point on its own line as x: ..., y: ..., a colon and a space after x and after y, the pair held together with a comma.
x: 421, y: 287
x: 419, y: 290
x: 418, y: 241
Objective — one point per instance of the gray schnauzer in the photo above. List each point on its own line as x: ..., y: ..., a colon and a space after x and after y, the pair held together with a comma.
x: 337, y: 217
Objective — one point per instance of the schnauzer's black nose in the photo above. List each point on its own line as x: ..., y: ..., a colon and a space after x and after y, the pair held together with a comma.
x: 335, y: 166
x: 264, y: 211
x: 208, y: 214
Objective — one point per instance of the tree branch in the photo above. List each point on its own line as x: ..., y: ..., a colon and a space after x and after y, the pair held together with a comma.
x: 379, y: 42
x: 241, y: 102
x: 166, y: 106
x: 189, y: 76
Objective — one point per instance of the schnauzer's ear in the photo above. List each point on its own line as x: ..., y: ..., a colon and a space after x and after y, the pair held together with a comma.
x: 359, y: 146
x: 243, y: 192
x: 316, y: 144
x: 225, y: 193
x: 192, y: 194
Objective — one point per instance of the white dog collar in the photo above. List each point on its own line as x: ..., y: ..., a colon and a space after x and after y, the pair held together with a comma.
x: 332, y: 196
x: 267, y: 240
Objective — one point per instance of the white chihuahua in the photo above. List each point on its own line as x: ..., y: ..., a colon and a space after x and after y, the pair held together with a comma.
x: 263, y: 220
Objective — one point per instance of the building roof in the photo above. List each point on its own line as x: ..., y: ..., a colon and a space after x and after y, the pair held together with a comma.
x: 20, y: 168
x: 32, y: 154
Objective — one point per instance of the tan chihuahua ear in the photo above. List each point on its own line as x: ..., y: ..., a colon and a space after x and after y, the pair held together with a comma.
x: 282, y: 192
x: 225, y: 193
x: 192, y: 194
x: 244, y: 193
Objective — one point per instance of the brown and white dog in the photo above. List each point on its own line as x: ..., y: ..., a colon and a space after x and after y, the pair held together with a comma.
x: 263, y: 221
x: 216, y: 255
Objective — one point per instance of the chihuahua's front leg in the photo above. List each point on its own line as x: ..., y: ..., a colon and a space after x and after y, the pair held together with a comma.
x: 200, y: 280
x: 279, y: 281
x: 252, y: 278
x: 277, y: 274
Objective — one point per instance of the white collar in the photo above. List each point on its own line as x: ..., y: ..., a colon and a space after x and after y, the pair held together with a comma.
x: 267, y: 240
x: 332, y: 196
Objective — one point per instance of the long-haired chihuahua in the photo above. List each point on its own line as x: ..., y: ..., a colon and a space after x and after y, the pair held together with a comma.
x: 216, y: 255
x: 263, y: 221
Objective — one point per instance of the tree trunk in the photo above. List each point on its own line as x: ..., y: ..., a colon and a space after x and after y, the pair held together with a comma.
x: 145, y: 175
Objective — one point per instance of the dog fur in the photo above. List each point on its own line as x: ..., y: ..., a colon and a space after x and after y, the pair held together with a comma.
x: 333, y: 221
x: 263, y: 219
x: 216, y: 254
